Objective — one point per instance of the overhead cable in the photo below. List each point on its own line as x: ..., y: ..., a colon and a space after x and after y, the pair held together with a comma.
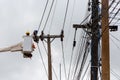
x: 63, y: 56
x: 115, y: 43
x: 85, y: 71
x: 115, y: 74
x: 111, y: 4
x: 48, y: 15
x: 85, y: 55
x: 43, y: 15
x: 42, y: 59
x: 79, y: 55
x: 66, y: 11
x: 53, y: 16
x: 115, y: 6
x: 114, y: 16
x: 115, y: 37
x: 76, y: 57
x: 52, y: 64
x: 71, y: 58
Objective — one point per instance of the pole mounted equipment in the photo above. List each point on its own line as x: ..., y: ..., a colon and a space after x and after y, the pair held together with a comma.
x: 48, y: 37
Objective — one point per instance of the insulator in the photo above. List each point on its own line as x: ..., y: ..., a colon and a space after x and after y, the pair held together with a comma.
x: 62, y: 35
x: 74, y: 43
x: 35, y: 32
x: 41, y: 36
x: 35, y: 37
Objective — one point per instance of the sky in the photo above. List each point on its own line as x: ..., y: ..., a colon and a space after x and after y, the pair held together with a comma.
x: 19, y: 16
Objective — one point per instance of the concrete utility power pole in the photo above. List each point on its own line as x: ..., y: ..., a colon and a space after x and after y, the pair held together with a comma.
x: 94, y: 39
x: 95, y: 36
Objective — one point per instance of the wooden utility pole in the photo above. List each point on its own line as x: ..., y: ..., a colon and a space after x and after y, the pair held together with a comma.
x: 105, y: 41
x: 48, y: 37
x: 49, y: 59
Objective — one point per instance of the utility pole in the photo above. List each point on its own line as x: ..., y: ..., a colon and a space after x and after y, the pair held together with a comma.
x: 95, y: 36
x: 60, y: 71
x: 105, y: 41
x: 49, y: 37
x: 94, y: 40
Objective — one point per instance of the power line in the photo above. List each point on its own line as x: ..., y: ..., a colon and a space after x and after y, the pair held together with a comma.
x: 43, y: 15
x: 53, y: 16
x: 115, y: 6
x: 63, y: 56
x: 76, y: 57
x: 111, y: 3
x: 85, y: 71
x: 66, y: 11
x: 79, y: 55
x: 42, y: 59
x: 114, y: 16
x: 115, y: 37
x: 70, y: 63
x: 85, y: 18
x: 48, y: 15
x: 71, y: 59
x: 85, y: 55
x: 72, y: 12
x: 115, y: 74
x: 115, y: 43
x: 52, y: 64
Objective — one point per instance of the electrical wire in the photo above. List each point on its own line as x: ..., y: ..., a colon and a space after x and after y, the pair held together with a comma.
x: 114, y: 16
x: 116, y: 21
x: 85, y: 71
x: 63, y: 56
x: 115, y: 74
x: 52, y: 64
x: 79, y: 56
x: 85, y: 19
x: 71, y: 58
x: 83, y: 60
x: 115, y: 38
x: 43, y: 15
x: 85, y: 55
x: 111, y: 4
x: 76, y: 57
x: 81, y: 49
x: 66, y: 11
x: 53, y: 16
x: 48, y: 15
x: 115, y: 6
x: 42, y: 59
x: 69, y: 29
x: 115, y: 43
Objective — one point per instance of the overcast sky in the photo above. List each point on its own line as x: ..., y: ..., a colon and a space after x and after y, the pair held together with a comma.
x: 19, y: 16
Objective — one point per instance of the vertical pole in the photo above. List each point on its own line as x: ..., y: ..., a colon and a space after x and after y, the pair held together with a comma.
x: 105, y: 42
x: 60, y: 71
x: 49, y: 59
x: 94, y: 41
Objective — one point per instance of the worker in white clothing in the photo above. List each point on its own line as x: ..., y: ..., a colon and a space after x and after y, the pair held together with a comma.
x: 26, y: 47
